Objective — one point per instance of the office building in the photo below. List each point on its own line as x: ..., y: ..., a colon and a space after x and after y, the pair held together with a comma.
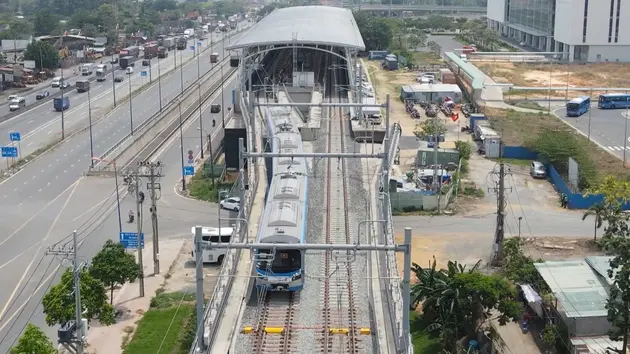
x: 583, y: 30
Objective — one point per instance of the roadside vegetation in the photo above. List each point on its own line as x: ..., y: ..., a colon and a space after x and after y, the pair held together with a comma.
x: 166, y: 327
x: 203, y: 187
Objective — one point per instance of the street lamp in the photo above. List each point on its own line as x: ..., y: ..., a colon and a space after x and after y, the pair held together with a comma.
x: 181, y: 70
x: 130, y: 106
x: 117, y: 193
x: 62, y: 83
x: 90, y: 121
x: 519, y: 225
x: 201, y: 131
x: 159, y: 83
x: 222, y: 99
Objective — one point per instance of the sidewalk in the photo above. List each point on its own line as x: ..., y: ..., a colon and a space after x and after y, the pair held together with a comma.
x: 108, y: 340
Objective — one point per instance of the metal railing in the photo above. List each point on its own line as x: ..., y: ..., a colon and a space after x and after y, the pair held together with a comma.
x: 220, y: 294
x: 389, y: 273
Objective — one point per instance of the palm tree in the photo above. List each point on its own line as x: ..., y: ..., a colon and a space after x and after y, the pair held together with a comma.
x: 599, y: 211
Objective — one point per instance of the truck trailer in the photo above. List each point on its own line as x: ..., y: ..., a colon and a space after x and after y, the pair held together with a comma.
x: 182, y: 42
x: 61, y: 103
x: 126, y: 61
x: 133, y: 51
x: 169, y: 43
x: 162, y: 52
x: 151, y: 51
x: 83, y: 86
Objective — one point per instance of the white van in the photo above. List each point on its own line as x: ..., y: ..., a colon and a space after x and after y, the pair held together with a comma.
x: 56, y: 82
x: 212, y: 235
x: 129, y: 70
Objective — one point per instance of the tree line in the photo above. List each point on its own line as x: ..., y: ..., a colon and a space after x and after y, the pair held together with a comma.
x: 111, y: 268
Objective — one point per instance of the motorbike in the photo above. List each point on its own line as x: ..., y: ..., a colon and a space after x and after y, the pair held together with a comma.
x: 131, y: 218
x: 466, y: 129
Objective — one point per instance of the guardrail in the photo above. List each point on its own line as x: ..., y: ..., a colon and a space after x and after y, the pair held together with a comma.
x: 218, y: 300
x: 168, y: 108
x: 391, y: 277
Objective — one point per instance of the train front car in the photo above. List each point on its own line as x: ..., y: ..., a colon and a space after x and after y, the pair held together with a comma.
x: 285, y: 215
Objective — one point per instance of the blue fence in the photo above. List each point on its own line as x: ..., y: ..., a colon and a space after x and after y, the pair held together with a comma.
x: 576, y: 200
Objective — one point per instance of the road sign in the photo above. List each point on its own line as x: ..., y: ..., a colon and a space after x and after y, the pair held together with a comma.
x: 9, y: 151
x: 15, y: 136
x: 143, y: 73
x: 198, y: 44
x: 130, y: 239
x: 192, y: 47
x: 189, y: 171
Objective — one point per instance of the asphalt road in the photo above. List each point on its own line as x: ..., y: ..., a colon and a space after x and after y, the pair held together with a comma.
x: 41, y: 124
x: 607, y: 127
x: 88, y: 205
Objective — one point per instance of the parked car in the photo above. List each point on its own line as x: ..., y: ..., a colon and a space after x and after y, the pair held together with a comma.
x: 119, y: 79
x: 12, y: 97
x: 231, y: 203
x: 537, y: 170
x: 42, y: 94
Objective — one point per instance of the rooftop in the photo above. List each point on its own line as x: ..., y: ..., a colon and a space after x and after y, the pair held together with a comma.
x: 323, y: 25
x: 579, y: 287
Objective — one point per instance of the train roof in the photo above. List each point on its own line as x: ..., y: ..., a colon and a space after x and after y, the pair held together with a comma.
x: 213, y: 230
x: 284, y: 221
x: 288, y: 186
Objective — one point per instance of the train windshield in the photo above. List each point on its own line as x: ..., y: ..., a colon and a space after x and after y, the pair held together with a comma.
x: 284, y: 261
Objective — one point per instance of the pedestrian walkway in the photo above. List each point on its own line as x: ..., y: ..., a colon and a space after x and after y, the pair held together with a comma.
x: 513, y: 340
x: 108, y: 340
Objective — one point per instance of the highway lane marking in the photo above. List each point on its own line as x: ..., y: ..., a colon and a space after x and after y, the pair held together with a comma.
x: 29, y: 144
x: 65, y: 204
x: 30, y: 121
x: 19, y: 309
x: 49, y: 132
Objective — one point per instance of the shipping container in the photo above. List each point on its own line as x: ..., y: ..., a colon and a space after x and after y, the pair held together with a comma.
x: 474, y: 118
x: 447, y: 77
x: 162, y: 52
x: 83, y: 85
x: 61, y: 103
x: 150, y: 51
x: 377, y: 54
x: 126, y: 61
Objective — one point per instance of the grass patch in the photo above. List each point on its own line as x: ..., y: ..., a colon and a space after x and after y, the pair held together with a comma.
x: 426, y: 58
x: 527, y: 104
x: 172, y: 310
x: 519, y: 128
x: 422, y: 342
x: 201, y: 187
x: 515, y: 162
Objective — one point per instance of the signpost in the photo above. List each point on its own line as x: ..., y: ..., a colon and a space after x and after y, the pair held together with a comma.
x: 130, y: 239
x: 189, y: 170
x: 15, y: 136
x: 192, y: 47
x: 143, y: 73
x: 9, y: 151
x: 191, y: 158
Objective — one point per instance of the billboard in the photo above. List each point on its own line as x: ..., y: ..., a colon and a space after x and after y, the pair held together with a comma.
x: 29, y: 64
x: 9, y: 45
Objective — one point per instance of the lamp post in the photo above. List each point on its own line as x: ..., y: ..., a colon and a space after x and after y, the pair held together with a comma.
x: 519, y: 225
x: 181, y: 70
x: 90, y: 122
x: 130, y: 106
x: 159, y: 83
x: 117, y: 193
x: 113, y: 81
x: 201, y: 132
x: 62, y: 83
x: 625, y: 137
x: 222, y: 100
x: 200, y: 120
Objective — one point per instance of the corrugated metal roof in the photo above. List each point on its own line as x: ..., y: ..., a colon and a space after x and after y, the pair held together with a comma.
x: 432, y: 88
x: 324, y: 25
x: 596, y: 345
x: 579, y: 289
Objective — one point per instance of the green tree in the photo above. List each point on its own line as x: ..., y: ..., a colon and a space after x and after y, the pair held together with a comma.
x: 457, y: 301
x: 46, y: 23
x: 113, y: 266
x: 33, y: 341
x: 519, y: 268
x: 59, y: 305
x: 464, y: 148
x: 376, y: 32
x: 435, y: 47
x: 44, y: 55
x: 429, y: 128
x: 18, y: 29
x: 598, y: 211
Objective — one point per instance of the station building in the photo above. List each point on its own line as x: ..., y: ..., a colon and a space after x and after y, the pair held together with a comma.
x: 584, y: 30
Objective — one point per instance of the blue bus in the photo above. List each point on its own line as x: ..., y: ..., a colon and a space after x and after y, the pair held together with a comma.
x: 614, y: 100
x: 578, y: 106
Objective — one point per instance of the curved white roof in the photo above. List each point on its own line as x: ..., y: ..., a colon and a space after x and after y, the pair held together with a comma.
x: 324, y: 25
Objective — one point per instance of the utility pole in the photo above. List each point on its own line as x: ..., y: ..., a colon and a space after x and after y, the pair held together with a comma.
x: 199, y: 278
x: 139, y: 201
x: 78, y: 327
x: 155, y: 172
x: 499, y: 233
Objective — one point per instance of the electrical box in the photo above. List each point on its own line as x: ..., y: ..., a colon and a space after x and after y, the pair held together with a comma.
x: 215, y: 108
x: 84, y: 324
x: 234, y: 61
x: 65, y: 334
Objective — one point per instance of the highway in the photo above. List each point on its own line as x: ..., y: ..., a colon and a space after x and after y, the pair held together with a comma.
x: 41, y: 124
x: 49, y: 198
x: 608, y: 127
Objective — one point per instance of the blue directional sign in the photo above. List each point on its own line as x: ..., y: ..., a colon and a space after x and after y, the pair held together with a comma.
x: 189, y: 170
x: 192, y: 47
x: 143, y: 73
x: 130, y: 239
x: 198, y: 44
x: 15, y: 136
x: 9, y: 151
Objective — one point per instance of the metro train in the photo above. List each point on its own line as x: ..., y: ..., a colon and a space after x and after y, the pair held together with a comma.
x: 285, y: 214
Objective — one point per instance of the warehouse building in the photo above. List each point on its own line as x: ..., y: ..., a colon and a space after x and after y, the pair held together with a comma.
x: 584, y: 30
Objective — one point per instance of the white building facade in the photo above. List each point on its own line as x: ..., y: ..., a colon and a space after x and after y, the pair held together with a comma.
x: 584, y: 30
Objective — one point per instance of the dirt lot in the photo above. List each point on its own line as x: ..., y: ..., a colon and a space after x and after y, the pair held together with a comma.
x: 518, y: 128
x: 562, y: 75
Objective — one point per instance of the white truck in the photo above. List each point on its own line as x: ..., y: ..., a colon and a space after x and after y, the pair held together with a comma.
x: 100, y: 75
x: 86, y: 69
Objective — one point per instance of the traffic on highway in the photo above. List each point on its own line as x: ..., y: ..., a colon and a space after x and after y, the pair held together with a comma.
x: 48, y: 195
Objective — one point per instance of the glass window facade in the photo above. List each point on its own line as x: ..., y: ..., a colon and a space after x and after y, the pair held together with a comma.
x: 532, y: 14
